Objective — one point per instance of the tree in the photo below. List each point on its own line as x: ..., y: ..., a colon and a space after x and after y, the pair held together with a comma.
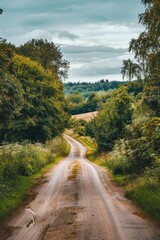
x: 75, y: 98
x: 43, y: 115
x: 47, y: 54
x: 146, y: 49
x: 32, y: 104
x: 109, y: 125
x: 11, y: 103
x: 6, y: 56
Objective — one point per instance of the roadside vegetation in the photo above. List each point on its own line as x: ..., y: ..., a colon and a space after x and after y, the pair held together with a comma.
x: 127, y: 126
x: 32, y: 102
x: 21, y: 164
x: 33, y: 116
x: 142, y: 184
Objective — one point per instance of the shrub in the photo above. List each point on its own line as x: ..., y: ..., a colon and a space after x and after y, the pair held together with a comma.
x: 118, y: 162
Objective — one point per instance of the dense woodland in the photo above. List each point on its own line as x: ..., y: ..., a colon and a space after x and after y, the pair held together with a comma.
x: 86, y: 88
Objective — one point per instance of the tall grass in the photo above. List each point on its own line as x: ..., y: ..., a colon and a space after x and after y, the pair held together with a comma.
x: 145, y: 191
x: 19, y: 164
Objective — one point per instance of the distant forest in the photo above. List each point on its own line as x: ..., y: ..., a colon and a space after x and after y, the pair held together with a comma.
x: 85, y: 88
x: 87, y: 97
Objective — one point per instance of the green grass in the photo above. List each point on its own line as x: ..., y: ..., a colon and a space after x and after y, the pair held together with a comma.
x: 15, y: 185
x: 121, y: 180
x: 146, y: 193
x: 13, y: 193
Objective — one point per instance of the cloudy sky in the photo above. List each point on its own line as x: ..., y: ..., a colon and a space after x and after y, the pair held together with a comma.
x: 93, y: 34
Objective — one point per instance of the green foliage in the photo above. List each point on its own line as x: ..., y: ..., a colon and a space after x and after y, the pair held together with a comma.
x: 80, y: 101
x: 152, y: 97
x: 43, y: 115
x: 6, y: 55
x: 58, y: 147
x: 86, y: 88
x: 32, y: 104
x: 78, y: 126
x: 11, y: 102
x: 118, y: 162
x: 75, y: 98
x: 77, y: 104
x: 12, y: 193
x: 140, y: 150
x: 109, y: 125
x: 47, y: 54
x: 146, y: 192
x: 90, y: 128
x: 18, y: 165
x: 146, y: 49
x: 22, y: 160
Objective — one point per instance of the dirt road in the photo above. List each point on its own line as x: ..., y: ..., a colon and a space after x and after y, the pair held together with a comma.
x: 78, y: 201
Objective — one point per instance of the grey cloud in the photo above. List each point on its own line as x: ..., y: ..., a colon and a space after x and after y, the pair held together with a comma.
x: 89, y: 54
x: 66, y: 34
x: 98, y: 68
x: 72, y: 11
x: 90, y: 49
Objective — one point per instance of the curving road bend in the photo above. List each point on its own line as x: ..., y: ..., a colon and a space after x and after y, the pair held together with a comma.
x: 79, y: 201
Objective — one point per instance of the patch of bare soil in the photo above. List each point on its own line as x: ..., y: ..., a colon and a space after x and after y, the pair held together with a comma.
x: 75, y: 170
x: 64, y: 226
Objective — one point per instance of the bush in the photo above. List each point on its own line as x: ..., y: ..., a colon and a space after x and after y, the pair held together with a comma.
x: 58, y: 147
x: 139, y: 150
x: 109, y: 125
x: 27, y: 159
x: 118, y: 162
x: 30, y: 160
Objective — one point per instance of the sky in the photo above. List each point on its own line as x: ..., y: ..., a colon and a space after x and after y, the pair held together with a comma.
x: 94, y: 35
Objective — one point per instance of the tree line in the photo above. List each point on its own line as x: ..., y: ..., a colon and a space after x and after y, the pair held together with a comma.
x: 85, y: 88
x: 82, y: 102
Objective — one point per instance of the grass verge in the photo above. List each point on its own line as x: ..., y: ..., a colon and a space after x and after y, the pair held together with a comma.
x: 145, y: 191
x: 20, y: 166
